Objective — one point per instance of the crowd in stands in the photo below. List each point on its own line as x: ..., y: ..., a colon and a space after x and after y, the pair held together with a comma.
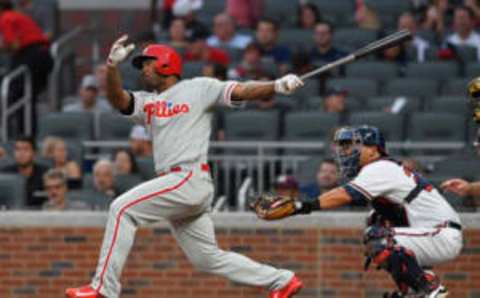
x: 246, y: 40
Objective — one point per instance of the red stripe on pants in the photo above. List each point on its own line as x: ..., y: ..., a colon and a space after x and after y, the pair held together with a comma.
x: 117, y: 221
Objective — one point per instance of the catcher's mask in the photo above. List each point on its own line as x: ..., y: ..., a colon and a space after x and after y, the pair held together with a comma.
x: 348, y: 144
x: 474, y: 96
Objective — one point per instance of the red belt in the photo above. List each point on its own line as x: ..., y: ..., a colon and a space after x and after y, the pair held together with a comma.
x: 204, y: 167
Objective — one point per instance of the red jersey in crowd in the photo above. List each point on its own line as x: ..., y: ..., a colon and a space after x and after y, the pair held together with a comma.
x: 18, y: 29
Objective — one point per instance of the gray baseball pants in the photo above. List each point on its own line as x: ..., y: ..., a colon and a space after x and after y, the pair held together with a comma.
x: 183, y: 198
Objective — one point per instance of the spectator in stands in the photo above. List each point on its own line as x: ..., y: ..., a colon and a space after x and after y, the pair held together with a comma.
x: 396, y: 54
x: 55, y: 184
x: 103, y: 178
x: 413, y: 165
x: 124, y: 162
x: 56, y: 150
x: 139, y: 142
x: 251, y: 66
x: 101, y: 76
x: 21, y: 37
x: 463, y: 26
x: 178, y: 34
x: 308, y: 16
x: 199, y: 50
x: 286, y: 185
x: 334, y: 101
x: 245, y: 12
x: 267, y: 40
x: 44, y: 12
x: 407, y: 21
x: 475, y: 7
x: 366, y: 16
x: 435, y: 14
x: 225, y: 35
x: 25, y: 165
x: 326, y: 179
x: 88, y: 98
x: 3, y: 153
x: 186, y: 9
x: 324, y: 50
x: 215, y: 70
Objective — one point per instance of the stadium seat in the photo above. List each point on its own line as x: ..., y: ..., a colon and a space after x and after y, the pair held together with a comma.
x: 353, y: 38
x: 361, y: 88
x: 455, y: 87
x: 315, y: 103
x: 309, y: 126
x: 96, y: 200
x: 251, y: 126
x: 384, y: 103
x: 391, y: 125
x: 113, y: 126
x: 334, y: 7
x: 451, y: 104
x: 311, y: 88
x: 411, y: 87
x: 472, y: 70
x: 428, y: 35
x: 440, y: 71
x: 393, y: 7
x: 441, y: 127
x: 126, y: 182
x: 380, y: 71
x: 12, y: 191
x: 146, y: 166
x: 192, y: 69
x: 284, y: 14
x: 295, y: 38
x: 467, y: 54
x: 71, y: 126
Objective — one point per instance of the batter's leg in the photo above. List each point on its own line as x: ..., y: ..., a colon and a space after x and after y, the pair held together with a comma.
x: 146, y: 203
x: 196, y: 236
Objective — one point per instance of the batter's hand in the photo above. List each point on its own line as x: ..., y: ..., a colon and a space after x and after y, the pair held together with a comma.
x: 119, y: 52
x: 288, y: 84
x: 457, y: 186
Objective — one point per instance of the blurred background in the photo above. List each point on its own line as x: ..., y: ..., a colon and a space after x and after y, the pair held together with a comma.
x: 62, y: 147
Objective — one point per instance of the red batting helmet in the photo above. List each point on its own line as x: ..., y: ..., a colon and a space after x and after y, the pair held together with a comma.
x: 168, y: 61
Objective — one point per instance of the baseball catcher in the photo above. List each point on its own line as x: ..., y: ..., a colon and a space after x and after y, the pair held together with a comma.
x: 177, y: 115
x: 412, y: 226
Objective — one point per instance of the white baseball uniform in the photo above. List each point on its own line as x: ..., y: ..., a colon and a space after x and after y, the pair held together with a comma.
x: 179, y: 123
x: 425, y: 220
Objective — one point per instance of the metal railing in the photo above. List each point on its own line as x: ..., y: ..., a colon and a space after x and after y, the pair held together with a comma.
x: 9, y: 110
x: 233, y: 170
x: 62, y: 52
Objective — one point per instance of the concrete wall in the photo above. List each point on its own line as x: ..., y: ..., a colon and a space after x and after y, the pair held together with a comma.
x: 43, y: 253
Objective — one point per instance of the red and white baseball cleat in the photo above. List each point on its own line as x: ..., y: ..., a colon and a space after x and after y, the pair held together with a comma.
x: 292, y: 288
x: 83, y: 292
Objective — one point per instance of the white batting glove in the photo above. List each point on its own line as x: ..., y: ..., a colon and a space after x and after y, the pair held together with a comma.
x: 288, y: 84
x: 119, y: 52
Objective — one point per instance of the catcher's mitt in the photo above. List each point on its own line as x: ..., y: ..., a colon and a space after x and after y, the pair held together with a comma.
x: 269, y: 206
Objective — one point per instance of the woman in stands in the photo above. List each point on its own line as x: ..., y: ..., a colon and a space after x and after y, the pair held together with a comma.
x: 56, y: 150
x: 124, y: 163
x: 308, y: 16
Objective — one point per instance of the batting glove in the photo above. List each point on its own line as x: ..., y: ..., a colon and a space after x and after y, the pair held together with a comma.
x: 288, y: 84
x: 119, y: 52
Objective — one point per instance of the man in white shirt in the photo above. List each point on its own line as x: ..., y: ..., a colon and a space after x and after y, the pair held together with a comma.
x: 407, y: 21
x: 225, y: 35
x: 463, y: 25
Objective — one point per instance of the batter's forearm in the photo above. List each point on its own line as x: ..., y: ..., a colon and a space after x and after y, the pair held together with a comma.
x: 117, y: 97
x: 253, y: 91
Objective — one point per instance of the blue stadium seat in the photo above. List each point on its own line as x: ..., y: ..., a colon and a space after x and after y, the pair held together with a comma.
x: 391, y: 125
x: 71, y: 126
x: 12, y: 191
x: 440, y: 127
x: 361, y: 88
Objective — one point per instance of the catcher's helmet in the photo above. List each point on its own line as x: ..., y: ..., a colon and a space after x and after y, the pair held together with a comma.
x: 350, y: 138
x: 168, y: 61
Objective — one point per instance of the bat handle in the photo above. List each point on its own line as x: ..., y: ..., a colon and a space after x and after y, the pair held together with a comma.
x: 329, y: 66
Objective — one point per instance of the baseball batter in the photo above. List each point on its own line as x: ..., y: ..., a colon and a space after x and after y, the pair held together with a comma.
x: 412, y: 227
x: 176, y: 114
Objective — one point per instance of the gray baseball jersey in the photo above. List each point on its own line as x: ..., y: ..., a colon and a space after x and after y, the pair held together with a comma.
x: 177, y: 119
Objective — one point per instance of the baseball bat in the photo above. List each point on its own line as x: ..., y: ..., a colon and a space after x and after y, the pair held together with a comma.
x: 376, y: 46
